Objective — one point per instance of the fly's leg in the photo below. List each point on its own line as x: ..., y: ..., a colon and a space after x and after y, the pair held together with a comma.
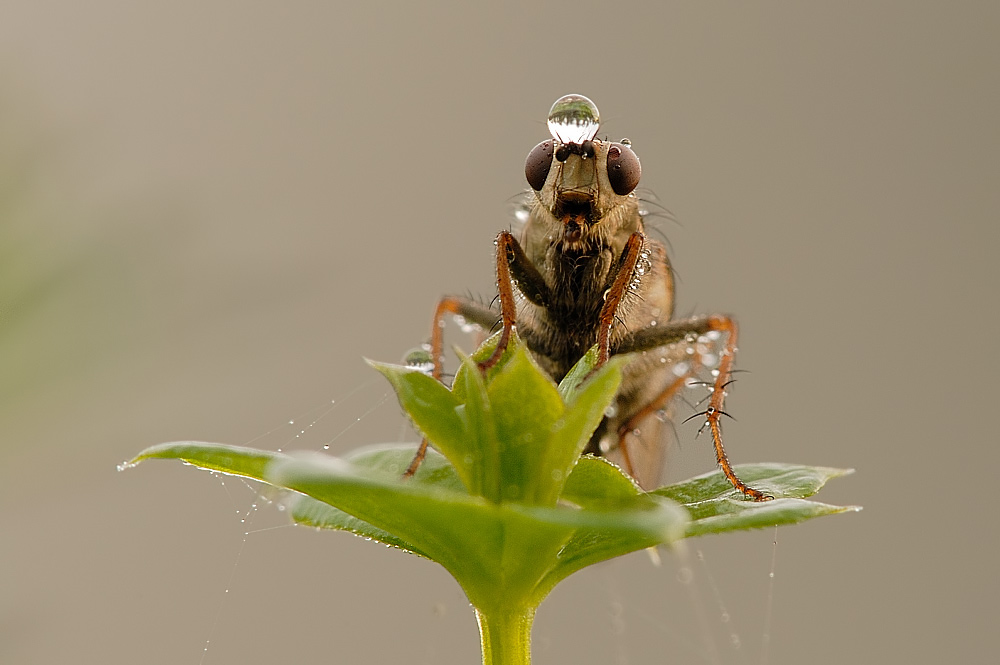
x: 511, y: 262
x: 448, y: 306
x: 673, y: 332
x: 622, y: 283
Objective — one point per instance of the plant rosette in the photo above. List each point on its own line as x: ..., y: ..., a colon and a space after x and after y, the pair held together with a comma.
x: 505, y: 501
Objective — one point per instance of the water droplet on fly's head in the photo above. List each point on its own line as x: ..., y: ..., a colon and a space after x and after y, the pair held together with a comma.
x: 611, y: 411
x: 573, y: 119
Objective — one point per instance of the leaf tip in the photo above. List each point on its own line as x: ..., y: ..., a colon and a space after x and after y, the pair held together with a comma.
x: 129, y: 464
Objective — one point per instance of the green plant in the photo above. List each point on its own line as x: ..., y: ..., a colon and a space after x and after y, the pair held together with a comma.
x: 508, y: 506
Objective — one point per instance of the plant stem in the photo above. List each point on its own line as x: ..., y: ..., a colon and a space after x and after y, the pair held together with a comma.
x: 506, y: 634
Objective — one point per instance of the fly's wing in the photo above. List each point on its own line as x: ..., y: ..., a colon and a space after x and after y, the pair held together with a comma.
x: 651, y: 387
x: 647, y: 447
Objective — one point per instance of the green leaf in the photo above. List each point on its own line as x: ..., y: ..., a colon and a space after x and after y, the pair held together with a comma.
x: 716, y: 507
x: 597, y: 483
x: 232, y: 460
x: 436, y: 413
x: 507, y: 550
x: 583, y: 413
x: 483, y: 460
x: 391, y: 459
x: 526, y: 407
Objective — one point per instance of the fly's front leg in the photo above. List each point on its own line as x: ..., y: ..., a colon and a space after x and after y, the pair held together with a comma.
x: 620, y: 285
x: 674, y: 332
x: 513, y: 262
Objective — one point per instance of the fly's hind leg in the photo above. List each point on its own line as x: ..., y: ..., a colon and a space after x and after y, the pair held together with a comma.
x: 672, y: 333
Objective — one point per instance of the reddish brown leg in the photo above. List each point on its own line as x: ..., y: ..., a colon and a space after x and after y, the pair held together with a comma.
x: 615, y: 294
x: 714, y: 412
x: 447, y: 305
x: 674, y: 332
x: 451, y: 305
x: 505, y: 288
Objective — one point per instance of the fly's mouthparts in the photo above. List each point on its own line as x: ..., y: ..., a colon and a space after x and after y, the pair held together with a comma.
x: 575, y: 209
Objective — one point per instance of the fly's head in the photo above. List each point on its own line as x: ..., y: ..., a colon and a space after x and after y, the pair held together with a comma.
x: 583, y: 187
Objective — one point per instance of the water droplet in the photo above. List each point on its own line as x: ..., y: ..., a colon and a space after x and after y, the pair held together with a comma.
x: 557, y: 475
x: 419, y: 359
x: 684, y: 575
x: 680, y: 369
x: 326, y: 446
x: 291, y: 422
x: 573, y: 119
x: 611, y: 411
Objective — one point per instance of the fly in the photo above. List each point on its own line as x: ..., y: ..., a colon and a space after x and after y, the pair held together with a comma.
x: 583, y: 272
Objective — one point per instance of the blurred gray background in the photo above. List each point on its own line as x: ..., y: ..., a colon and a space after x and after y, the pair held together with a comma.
x: 209, y: 212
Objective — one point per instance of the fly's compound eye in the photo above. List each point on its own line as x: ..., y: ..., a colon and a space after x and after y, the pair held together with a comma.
x: 536, y: 167
x: 623, y: 168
